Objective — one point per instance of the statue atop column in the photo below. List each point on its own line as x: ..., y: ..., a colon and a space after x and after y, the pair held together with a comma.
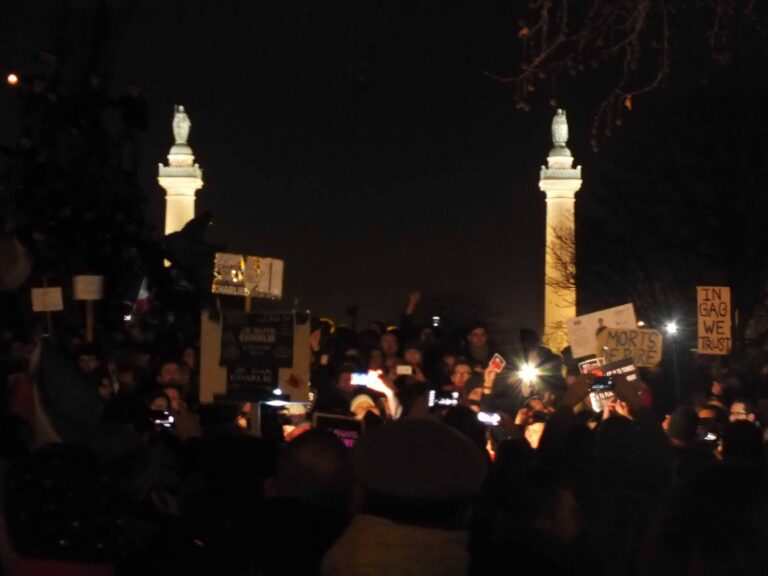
x: 559, y: 129
x: 181, y: 125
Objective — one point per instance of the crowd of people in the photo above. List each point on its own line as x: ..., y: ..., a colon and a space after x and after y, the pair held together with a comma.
x: 111, y: 466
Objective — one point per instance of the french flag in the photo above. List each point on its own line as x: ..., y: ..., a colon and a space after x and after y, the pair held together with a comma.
x: 142, y: 299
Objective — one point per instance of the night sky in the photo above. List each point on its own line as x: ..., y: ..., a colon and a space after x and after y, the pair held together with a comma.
x: 360, y: 142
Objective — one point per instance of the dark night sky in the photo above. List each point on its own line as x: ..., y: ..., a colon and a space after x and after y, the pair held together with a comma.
x: 423, y: 177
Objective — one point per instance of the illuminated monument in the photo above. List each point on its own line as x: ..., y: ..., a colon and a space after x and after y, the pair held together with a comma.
x: 560, y: 181
x: 181, y: 178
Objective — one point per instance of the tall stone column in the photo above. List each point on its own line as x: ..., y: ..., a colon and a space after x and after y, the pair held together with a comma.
x: 559, y: 181
x: 181, y: 178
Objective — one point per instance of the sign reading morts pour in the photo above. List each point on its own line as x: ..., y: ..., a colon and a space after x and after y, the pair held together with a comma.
x: 584, y: 330
x: 642, y: 345
x: 253, y: 276
x: 714, y: 311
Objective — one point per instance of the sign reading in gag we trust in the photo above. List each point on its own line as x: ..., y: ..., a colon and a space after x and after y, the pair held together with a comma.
x: 714, y: 311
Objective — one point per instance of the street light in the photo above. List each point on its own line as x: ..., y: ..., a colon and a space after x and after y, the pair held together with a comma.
x: 672, y: 329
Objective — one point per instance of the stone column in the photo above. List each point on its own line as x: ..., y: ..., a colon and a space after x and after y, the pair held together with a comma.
x: 559, y: 181
x: 181, y: 178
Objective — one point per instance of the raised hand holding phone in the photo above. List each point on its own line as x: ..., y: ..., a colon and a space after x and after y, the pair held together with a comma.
x: 376, y: 383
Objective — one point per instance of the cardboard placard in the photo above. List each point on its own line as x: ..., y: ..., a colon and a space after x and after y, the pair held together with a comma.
x: 714, y: 320
x: 88, y: 287
x: 248, y: 276
x: 642, y: 345
x: 228, y: 274
x: 47, y: 299
x: 263, y: 277
x: 583, y: 330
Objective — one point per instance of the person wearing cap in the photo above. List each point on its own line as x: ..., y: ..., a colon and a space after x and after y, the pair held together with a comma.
x: 417, y: 478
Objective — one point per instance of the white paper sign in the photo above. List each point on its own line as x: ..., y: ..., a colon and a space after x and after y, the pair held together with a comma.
x: 88, y: 287
x: 47, y: 299
x: 264, y: 277
x: 583, y: 330
x: 228, y: 274
x: 252, y: 276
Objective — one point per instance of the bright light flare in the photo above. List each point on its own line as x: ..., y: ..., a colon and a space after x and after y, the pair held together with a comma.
x: 671, y: 328
x: 528, y: 372
x: 12, y: 79
x: 489, y: 418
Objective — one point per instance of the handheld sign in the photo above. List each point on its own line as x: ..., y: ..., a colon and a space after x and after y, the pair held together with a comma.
x: 47, y: 299
x: 263, y: 277
x: 714, y: 315
x: 642, y: 345
x: 584, y: 330
x: 88, y: 287
x: 248, y: 276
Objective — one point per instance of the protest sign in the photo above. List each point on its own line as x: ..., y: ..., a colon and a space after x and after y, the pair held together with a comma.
x: 588, y: 366
x: 242, y: 378
x: 714, y: 315
x: 642, y: 345
x: 254, y: 347
x: 583, y: 330
x: 88, y: 287
x: 47, y: 299
x: 604, y: 392
x: 263, y: 277
x: 243, y: 356
x: 228, y: 274
x: 346, y: 428
x: 261, y: 339
x: 248, y: 276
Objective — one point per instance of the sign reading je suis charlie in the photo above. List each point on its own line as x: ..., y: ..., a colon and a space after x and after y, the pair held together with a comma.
x: 254, y: 346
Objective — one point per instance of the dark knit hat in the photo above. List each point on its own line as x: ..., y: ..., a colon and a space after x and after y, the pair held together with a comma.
x: 419, y: 458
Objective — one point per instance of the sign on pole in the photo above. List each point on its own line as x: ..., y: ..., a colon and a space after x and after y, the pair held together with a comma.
x: 642, y: 345
x: 88, y: 287
x: 47, y: 299
x: 248, y: 276
x: 255, y: 346
x: 583, y: 330
x: 714, y: 311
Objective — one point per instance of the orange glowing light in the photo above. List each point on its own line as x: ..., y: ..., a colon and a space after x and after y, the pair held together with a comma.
x: 12, y: 79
